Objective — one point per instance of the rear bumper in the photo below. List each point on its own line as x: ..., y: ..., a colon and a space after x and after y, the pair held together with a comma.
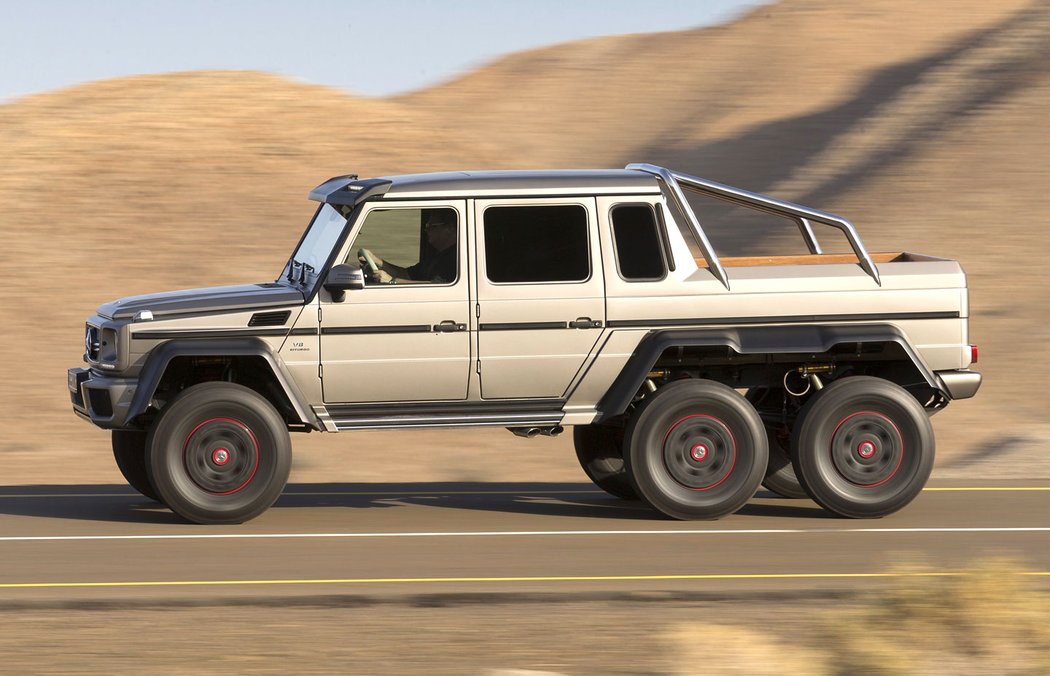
x: 961, y: 383
x: 100, y: 399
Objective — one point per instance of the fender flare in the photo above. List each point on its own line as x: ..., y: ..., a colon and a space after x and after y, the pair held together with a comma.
x: 159, y: 358
x: 749, y: 340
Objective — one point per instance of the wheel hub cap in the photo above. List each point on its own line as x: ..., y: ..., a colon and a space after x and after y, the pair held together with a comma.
x: 867, y: 448
x: 699, y: 452
x: 221, y: 455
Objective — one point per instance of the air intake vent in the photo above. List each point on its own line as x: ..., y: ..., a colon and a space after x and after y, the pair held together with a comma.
x: 270, y: 318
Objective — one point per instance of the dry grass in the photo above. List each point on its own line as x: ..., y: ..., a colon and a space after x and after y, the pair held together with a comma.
x: 990, y: 619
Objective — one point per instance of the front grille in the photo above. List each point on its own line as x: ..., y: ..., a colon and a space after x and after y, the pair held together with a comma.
x: 92, y: 342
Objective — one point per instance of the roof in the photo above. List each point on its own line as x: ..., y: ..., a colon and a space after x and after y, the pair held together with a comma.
x: 566, y: 181
x: 349, y: 190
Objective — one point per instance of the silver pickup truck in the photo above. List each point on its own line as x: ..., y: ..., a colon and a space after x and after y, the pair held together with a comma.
x: 535, y: 300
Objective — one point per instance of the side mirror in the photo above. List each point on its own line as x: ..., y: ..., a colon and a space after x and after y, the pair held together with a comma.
x: 342, y: 278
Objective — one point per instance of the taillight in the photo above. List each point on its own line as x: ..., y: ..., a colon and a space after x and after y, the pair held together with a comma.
x: 973, y: 354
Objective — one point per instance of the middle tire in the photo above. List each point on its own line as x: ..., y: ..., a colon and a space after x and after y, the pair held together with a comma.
x: 219, y: 453
x: 696, y: 449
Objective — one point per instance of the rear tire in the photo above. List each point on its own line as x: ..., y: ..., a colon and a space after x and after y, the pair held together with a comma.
x: 129, y: 450
x: 696, y: 449
x: 780, y: 472
x: 219, y: 453
x: 864, y: 447
x: 599, y: 448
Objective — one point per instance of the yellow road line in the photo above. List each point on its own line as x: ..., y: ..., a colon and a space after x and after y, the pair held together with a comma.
x: 541, y: 578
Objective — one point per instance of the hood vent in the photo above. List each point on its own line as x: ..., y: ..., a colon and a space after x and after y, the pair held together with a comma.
x: 270, y: 318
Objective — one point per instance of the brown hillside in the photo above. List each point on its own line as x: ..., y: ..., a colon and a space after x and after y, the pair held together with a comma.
x: 926, y: 123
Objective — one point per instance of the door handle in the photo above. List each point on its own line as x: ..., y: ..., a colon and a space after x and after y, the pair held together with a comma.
x: 449, y: 326
x: 585, y: 323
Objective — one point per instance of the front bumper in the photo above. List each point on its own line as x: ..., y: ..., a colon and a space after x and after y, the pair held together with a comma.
x: 101, y: 399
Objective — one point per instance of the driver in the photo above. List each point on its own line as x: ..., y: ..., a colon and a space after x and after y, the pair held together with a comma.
x: 440, y: 231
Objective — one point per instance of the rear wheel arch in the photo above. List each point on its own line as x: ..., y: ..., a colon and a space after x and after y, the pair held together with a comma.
x: 723, y: 355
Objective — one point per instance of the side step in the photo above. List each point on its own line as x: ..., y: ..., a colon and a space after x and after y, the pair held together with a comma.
x: 520, y: 419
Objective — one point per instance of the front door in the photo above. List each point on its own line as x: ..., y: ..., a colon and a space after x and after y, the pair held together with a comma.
x: 404, y: 337
x: 540, y: 292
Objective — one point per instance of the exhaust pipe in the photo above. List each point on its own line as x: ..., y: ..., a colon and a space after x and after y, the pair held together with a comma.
x: 530, y: 432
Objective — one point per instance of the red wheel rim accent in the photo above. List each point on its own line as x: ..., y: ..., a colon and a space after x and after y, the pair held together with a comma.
x: 866, y: 444
x: 255, y: 449
x: 706, y: 451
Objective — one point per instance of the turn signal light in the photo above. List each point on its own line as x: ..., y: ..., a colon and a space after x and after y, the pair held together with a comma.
x: 973, y: 354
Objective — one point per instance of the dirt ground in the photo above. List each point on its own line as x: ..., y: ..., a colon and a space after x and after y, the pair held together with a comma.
x: 627, y: 636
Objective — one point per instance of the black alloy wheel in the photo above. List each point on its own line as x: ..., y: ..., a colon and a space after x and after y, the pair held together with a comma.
x: 696, y: 449
x: 864, y: 447
x: 219, y: 453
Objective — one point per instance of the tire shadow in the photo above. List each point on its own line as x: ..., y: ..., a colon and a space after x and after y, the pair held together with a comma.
x: 122, y: 504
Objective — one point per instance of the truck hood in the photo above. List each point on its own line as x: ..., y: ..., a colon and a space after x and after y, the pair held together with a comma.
x: 211, y: 300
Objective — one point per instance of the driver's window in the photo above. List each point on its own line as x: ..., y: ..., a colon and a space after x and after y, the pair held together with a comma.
x: 408, y: 246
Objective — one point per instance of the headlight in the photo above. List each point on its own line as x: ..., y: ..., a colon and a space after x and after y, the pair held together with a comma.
x: 108, y: 349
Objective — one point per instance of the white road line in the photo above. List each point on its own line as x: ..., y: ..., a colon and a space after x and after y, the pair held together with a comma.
x: 505, y: 534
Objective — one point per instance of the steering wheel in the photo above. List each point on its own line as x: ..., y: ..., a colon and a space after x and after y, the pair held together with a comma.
x: 370, y: 263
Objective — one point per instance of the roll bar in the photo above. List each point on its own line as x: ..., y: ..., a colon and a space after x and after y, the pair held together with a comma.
x: 798, y: 213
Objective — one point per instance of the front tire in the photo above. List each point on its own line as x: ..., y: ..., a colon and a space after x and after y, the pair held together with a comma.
x: 129, y: 450
x: 599, y: 448
x: 219, y: 453
x: 864, y: 447
x: 696, y: 449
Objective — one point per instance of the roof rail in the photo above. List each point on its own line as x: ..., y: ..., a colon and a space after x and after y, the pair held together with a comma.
x: 800, y: 214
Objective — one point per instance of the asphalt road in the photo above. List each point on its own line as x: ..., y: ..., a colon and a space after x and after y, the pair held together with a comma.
x: 85, y: 544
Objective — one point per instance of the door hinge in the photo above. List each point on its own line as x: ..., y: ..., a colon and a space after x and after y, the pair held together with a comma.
x: 320, y: 371
x: 477, y: 310
x: 477, y: 367
x: 318, y: 315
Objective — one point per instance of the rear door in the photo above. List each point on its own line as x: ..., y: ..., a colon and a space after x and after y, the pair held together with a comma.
x: 540, y: 291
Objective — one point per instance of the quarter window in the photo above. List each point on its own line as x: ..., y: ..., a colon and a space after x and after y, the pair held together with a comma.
x: 636, y: 237
x: 536, y: 244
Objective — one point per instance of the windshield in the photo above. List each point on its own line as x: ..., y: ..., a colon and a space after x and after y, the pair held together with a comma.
x: 320, y: 237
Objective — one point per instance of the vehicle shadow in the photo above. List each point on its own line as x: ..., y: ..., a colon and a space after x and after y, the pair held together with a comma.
x: 120, y: 503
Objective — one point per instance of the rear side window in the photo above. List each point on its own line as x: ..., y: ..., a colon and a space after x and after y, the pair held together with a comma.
x: 636, y: 236
x: 536, y: 244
